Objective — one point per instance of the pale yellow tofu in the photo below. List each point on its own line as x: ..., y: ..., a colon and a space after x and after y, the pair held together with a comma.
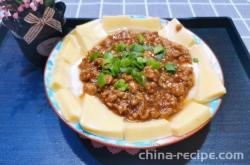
x: 90, y: 34
x: 199, y: 52
x: 69, y: 105
x: 189, y: 118
x: 183, y: 37
x: 70, y: 51
x: 139, y: 131
x: 111, y: 23
x: 193, y: 91
x: 151, y: 23
x: 98, y: 119
x: 210, y: 86
x: 60, y: 75
x: 169, y: 30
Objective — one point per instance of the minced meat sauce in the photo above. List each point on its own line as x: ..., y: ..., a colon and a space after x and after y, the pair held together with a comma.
x: 138, y: 75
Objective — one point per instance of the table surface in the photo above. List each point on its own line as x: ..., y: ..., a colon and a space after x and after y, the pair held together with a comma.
x: 238, y: 10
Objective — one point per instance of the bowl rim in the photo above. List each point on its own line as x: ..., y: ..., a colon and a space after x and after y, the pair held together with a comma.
x: 173, y: 140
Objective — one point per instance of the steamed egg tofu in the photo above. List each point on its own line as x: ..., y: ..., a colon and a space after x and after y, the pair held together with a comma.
x: 89, y: 34
x: 71, y: 51
x: 113, y: 23
x: 60, y: 77
x: 189, y: 118
x: 98, y: 119
x: 209, y: 85
x: 176, y: 32
x: 69, y: 105
x: 147, y: 130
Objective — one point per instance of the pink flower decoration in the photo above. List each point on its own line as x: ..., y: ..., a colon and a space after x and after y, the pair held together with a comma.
x: 27, y: 5
x: 39, y: 1
x: 20, y: 8
x: 15, y: 15
x: 33, y: 6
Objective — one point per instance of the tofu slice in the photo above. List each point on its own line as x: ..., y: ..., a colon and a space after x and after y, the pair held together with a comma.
x: 69, y: 105
x: 111, y: 23
x: 210, y: 86
x: 185, y: 38
x: 139, y: 131
x: 182, y: 36
x: 70, y: 51
x: 198, y: 51
x: 189, y: 118
x: 151, y: 24
x: 98, y: 119
x: 60, y: 75
x: 89, y: 34
x: 193, y: 91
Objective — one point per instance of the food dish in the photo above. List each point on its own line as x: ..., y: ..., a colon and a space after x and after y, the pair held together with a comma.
x: 93, y: 117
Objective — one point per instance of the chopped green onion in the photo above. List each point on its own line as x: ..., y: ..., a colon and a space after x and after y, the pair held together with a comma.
x: 101, y: 80
x: 170, y: 68
x: 159, y: 49
x: 140, y: 62
x: 126, y: 69
x: 141, y: 59
x: 126, y: 62
x: 140, y: 38
x: 138, y: 76
x: 136, y: 54
x: 106, y: 71
x: 160, y: 56
x: 154, y: 64
x: 115, y: 68
x: 121, y: 47
x: 107, y: 63
x: 121, y: 85
x: 107, y: 55
x: 148, y: 48
x: 137, y: 48
x: 195, y: 60
x: 94, y: 56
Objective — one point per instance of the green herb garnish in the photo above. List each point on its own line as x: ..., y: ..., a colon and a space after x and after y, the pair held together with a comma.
x: 148, y: 48
x: 140, y: 38
x: 140, y: 62
x: 160, y: 57
x: 120, y: 47
x: 195, y: 60
x: 171, y: 68
x: 94, y: 56
x: 101, y: 80
x: 127, y: 70
x: 159, y: 49
x: 154, y: 64
x: 126, y: 62
x: 115, y: 66
x: 107, y: 55
x: 137, y: 48
x: 138, y: 76
x: 121, y: 85
x: 159, y: 52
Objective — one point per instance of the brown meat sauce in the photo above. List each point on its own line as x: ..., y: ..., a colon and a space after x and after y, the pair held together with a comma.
x: 163, y: 93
